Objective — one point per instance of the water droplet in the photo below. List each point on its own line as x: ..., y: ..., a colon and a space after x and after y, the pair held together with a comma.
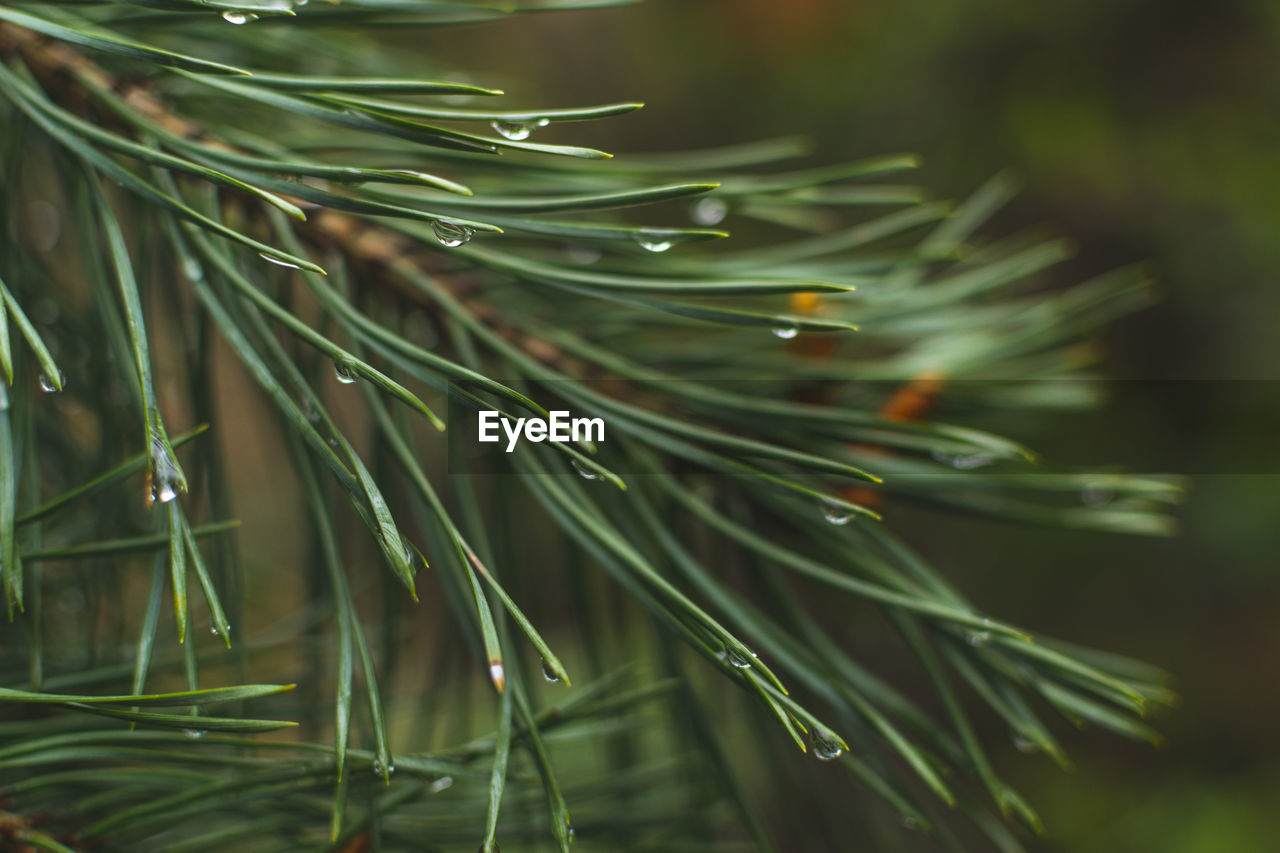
x: 836, y: 514
x: 736, y: 658
x: 194, y: 733
x: 498, y: 675
x: 1022, y: 743
x: 165, y: 478
x: 977, y: 638
x: 572, y: 836
x: 345, y: 372
x: 4, y: 398
x: 278, y: 262
x: 786, y: 328
x: 239, y: 17
x: 517, y: 131
x: 826, y: 746
x: 654, y: 241
x: 451, y: 235
x: 377, y: 768
x: 52, y: 385
x: 709, y: 211
x: 440, y: 784
x: 549, y: 674
x: 513, y: 130
x: 584, y: 472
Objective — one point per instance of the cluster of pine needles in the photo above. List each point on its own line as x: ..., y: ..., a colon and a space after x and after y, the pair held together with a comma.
x: 216, y: 251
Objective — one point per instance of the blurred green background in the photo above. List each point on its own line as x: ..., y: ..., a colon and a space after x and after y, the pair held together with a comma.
x: 1148, y: 131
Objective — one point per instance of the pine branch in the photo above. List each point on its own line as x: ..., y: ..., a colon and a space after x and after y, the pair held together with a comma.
x: 786, y: 487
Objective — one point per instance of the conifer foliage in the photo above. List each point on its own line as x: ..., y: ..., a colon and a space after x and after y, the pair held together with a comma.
x: 327, y: 259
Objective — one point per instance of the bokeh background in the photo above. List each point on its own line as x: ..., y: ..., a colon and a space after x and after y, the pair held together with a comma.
x: 1149, y: 132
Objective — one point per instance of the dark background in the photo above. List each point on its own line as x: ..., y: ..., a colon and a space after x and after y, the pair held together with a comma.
x: 1147, y: 131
